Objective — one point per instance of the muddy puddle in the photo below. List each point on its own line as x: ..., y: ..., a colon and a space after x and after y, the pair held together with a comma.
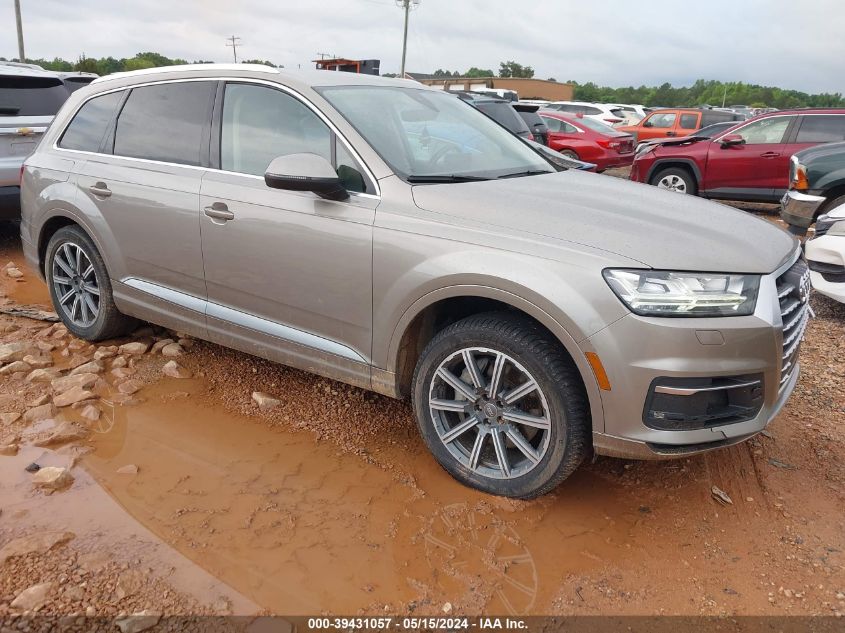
x: 299, y: 527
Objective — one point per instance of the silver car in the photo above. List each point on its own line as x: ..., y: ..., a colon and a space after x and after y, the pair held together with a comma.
x: 387, y: 235
x: 29, y: 99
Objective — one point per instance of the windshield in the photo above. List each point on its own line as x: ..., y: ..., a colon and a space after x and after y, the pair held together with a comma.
x: 31, y: 96
x: 423, y: 133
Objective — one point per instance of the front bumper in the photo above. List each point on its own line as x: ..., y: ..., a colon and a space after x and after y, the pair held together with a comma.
x: 800, y: 209
x: 829, y: 252
x: 638, y: 352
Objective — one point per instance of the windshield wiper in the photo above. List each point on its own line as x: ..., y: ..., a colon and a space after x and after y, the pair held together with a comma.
x: 451, y: 178
x: 518, y: 174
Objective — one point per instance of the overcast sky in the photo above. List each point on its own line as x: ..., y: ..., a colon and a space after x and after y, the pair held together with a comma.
x: 788, y: 43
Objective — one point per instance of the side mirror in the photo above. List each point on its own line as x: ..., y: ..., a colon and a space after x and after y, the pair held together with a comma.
x: 648, y: 124
x: 732, y: 139
x: 305, y: 172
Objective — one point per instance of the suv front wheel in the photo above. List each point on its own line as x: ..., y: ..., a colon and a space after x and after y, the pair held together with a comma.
x: 501, y: 406
x: 675, y: 179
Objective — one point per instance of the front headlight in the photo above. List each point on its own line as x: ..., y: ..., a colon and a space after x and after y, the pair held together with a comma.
x: 667, y: 293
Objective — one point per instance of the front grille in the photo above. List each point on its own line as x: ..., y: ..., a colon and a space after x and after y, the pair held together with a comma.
x: 794, y: 297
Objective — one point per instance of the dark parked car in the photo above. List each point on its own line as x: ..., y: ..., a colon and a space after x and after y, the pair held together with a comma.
x: 500, y: 110
x: 747, y: 162
x: 816, y: 185
x: 535, y: 123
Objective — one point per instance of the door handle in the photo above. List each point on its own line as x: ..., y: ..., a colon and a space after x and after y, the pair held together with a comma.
x: 770, y: 155
x: 100, y: 190
x: 670, y: 134
x: 219, y: 211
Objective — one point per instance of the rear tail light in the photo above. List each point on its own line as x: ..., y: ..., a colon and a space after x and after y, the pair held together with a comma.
x: 609, y: 143
x: 613, y: 121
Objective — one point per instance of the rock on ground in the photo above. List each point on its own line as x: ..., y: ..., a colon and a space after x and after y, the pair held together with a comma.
x: 91, y: 367
x: 137, y: 622
x: 39, y: 542
x: 73, y: 395
x: 265, y: 401
x: 175, y: 370
x: 136, y: 348
x: 36, y: 414
x: 52, y: 478
x: 33, y: 597
x: 172, y: 350
x: 64, y: 433
x: 83, y: 380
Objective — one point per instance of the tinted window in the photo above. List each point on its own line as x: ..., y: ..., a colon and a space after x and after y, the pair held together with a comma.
x: 31, y: 96
x: 554, y: 125
x: 590, y: 110
x: 165, y: 122
x: 88, y: 127
x: 765, y: 131
x: 75, y: 83
x: 662, y: 120
x: 262, y: 123
x: 822, y: 129
x: 504, y: 114
x: 689, y: 121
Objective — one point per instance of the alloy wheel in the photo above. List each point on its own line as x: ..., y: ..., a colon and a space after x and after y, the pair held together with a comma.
x: 490, y: 413
x: 75, y: 284
x: 673, y: 183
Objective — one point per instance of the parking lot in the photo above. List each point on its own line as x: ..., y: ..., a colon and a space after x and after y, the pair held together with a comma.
x: 198, y: 502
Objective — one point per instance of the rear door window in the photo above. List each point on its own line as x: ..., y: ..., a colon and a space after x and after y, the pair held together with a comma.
x: 89, y: 125
x: 31, y: 96
x: 822, y: 128
x: 689, y: 121
x: 165, y: 122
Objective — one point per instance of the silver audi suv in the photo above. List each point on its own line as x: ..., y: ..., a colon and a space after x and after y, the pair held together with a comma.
x: 390, y: 236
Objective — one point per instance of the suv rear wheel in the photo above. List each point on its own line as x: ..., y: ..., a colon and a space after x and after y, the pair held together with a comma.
x: 501, y: 406
x: 80, y: 287
x: 675, y: 179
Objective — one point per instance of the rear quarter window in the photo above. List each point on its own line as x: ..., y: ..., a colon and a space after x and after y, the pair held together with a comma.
x: 31, y: 96
x: 165, y: 122
x: 689, y: 121
x: 88, y: 127
x: 822, y: 128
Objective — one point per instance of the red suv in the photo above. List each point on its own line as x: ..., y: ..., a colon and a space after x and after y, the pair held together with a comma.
x: 749, y: 161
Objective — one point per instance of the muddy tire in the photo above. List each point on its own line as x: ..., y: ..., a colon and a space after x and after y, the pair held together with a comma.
x: 675, y: 179
x: 80, y: 287
x: 501, y: 406
x: 570, y: 154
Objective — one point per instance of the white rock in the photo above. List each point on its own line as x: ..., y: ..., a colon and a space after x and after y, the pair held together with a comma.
x: 92, y: 367
x: 14, y: 273
x: 15, y: 367
x: 73, y: 395
x: 118, y: 362
x: 52, y: 477
x: 9, y: 418
x: 85, y: 381
x: 175, y: 370
x: 129, y: 469
x: 136, y: 348
x: 43, y: 375
x: 265, y: 401
x: 162, y: 343
x: 33, y: 597
x: 14, y: 351
x: 64, y: 433
x: 105, y: 352
x: 172, y: 350
x: 90, y: 412
x: 37, y: 414
x: 129, y: 387
x: 38, y: 361
x: 137, y: 622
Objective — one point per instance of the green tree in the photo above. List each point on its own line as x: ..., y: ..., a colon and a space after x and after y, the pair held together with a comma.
x: 479, y: 72
x: 137, y: 64
x: 86, y: 64
x: 260, y: 61
x: 512, y: 69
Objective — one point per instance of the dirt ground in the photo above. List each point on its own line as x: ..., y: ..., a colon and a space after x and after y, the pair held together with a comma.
x: 187, y: 499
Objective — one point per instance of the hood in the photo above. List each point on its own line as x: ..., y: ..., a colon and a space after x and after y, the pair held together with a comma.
x: 821, y: 151
x: 661, y: 229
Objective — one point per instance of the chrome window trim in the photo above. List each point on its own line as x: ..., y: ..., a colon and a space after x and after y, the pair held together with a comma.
x: 290, y: 91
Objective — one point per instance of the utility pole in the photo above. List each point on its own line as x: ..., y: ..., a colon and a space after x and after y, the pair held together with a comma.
x: 406, y: 5
x: 234, y: 42
x: 21, y: 54
x: 725, y: 95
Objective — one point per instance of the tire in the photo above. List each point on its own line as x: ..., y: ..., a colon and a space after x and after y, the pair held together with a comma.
x: 675, y: 179
x: 445, y: 417
x: 570, y: 154
x: 829, y: 205
x: 96, y: 317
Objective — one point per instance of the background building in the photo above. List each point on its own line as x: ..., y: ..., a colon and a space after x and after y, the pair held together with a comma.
x: 526, y: 88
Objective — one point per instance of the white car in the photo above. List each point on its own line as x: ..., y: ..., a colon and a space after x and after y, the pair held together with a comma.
x: 634, y: 113
x: 601, y: 112
x: 826, y: 254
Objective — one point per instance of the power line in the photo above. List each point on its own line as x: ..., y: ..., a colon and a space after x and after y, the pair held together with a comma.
x: 234, y: 42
